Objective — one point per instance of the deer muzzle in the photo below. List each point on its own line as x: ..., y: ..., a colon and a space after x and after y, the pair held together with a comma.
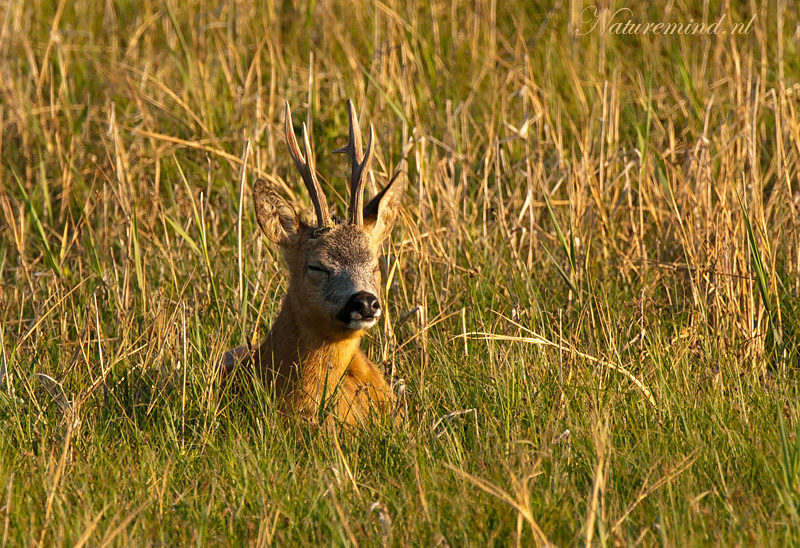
x: 361, y: 311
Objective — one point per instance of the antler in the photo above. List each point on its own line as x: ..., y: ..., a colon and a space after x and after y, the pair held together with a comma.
x: 305, y: 165
x: 360, y: 165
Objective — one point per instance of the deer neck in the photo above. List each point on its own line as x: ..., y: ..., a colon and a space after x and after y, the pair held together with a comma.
x: 332, y: 349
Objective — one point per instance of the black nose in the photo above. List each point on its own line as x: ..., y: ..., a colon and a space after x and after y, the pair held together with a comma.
x: 361, y: 306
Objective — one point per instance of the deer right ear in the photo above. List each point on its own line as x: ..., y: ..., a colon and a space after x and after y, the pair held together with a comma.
x: 382, y: 210
x: 278, y: 220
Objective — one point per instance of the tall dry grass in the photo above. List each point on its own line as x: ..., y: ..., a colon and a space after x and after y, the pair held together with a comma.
x: 592, y: 292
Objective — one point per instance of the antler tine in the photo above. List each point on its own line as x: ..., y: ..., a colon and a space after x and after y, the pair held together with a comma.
x: 305, y: 165
x: 360, y: 165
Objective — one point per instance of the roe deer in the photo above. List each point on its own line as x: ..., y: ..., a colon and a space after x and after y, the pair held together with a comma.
x: 311, y: 358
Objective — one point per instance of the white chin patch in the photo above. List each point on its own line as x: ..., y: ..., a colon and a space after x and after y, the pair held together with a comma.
x: 362, y: 324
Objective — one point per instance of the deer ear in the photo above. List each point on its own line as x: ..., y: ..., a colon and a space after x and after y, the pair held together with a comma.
x: 278, y: 220
x: 381, y: 211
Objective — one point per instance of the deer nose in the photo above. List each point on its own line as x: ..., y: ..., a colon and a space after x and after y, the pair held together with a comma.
x: 362, y: 306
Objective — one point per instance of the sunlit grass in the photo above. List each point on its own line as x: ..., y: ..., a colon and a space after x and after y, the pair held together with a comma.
x: 592, y: 298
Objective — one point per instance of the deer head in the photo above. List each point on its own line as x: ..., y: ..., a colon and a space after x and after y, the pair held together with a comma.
x: 334, y: 278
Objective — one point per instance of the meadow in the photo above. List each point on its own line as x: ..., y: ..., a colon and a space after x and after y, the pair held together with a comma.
x: 591, y: 299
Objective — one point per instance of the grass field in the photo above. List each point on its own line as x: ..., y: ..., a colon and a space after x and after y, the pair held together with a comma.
x: 592, y: 317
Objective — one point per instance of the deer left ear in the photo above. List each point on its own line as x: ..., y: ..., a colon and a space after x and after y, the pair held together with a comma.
x: 278, y: 220
x: 381, y: 211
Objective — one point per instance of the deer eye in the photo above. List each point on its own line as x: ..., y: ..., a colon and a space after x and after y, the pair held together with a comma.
x: 313, y: 268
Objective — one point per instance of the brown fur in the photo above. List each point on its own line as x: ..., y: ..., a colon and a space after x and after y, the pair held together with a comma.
x: 314, y: 371
x: 310, y: 359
